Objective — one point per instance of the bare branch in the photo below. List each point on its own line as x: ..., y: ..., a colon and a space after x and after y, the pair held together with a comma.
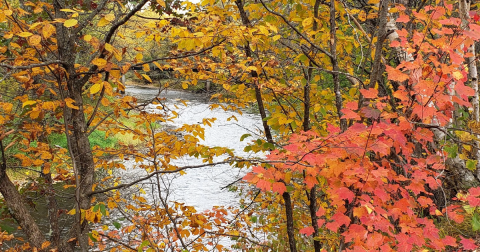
x: 32, y: 65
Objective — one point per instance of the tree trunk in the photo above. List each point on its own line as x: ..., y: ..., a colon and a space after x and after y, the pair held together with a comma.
x: 289, y: 215
x: 17, y: 206
x: 335, y: 68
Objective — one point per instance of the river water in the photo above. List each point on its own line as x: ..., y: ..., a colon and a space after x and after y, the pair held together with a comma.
x: 202, y: 188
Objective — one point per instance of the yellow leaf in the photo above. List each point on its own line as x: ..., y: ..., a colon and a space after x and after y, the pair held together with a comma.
x: 46, y: 169
x: 457, y: 75
x: 70, y: 23
x: 28, y: 103
x: 87, y: 37
x: 146, y: 77
x: 34, y: 115
x: 110, y: 17
x: 99, y: 62
x: 25, y: 34
x: 184, y: 85
x: 161, y: 3
x: 117, y: 54
x: 108, y: 47
x: 45, y: 244
x: 288, y: 177
x: 69, y: 102
x: 103, y: 22
x: 307, y: 22
x: 96, y: 88
x: 71, y: 212
x: 146, y: 67
x: 35, y: 40
x: 67, y: 10
x: 362, y: 16
x: 95, y: 235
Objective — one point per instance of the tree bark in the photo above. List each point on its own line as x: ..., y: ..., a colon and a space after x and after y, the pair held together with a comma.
x: 258, y: 92
x: 289, y: 214
x: 377, y: 71
x: 335, y: 68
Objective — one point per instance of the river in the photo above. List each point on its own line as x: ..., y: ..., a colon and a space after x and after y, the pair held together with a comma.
x: 202, y: 188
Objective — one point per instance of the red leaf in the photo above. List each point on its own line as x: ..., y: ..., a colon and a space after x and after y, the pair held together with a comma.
x: 403, y: 19
x: 354, y: 232
x: 307, y: 231
x: 263, y: 185
x: 348, y: 114
x: 454, y: 215
x: 396, y: 75
x: 345, y: 193
x: 339, y: 219
x: 369, y: 93
x: 468, y: 243
x: 463, y: 90
x: 449, y: 241
x: 474, y: 191
x: 321, y: 211
x: 279, y: 187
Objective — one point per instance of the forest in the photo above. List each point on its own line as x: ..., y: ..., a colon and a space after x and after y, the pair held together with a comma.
x: 364, y: 136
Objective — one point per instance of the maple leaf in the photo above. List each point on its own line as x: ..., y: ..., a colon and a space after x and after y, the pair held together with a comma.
x: 396, y: 75
x: 369, y: 93
x: 468, y: 244
x: 307, y: 231
x: 463, y: 90
x: 403, y: 19
x: 474, y: 191
x: 349, y: 114
x: 453, y: 213
x: 338, y: 219
x: 370, y: 112
x: 279, y: 187
x: 354, y: 232
x: 449, y: 241
x: 345, y: 193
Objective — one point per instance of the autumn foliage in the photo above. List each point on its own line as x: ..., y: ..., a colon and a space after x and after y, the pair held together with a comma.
x: 369, y: 123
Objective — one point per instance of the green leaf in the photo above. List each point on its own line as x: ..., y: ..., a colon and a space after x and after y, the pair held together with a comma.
x: 102, y: 210
x: 253, y: 219
x: 475, y: 222
x: 303, y: 58
x: 144, y: 243
x: 244, y: 136
x: 268, y: 146
x: 117, y: 225
x: 472, y: 165
x: 95, y: 208
x: 451, y: 150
